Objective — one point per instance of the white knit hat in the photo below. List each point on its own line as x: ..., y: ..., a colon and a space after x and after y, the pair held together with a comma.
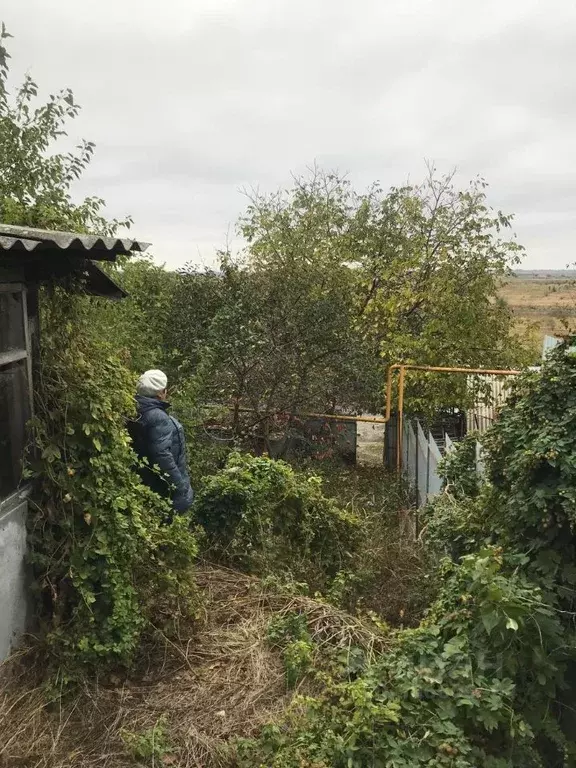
x: 151, y: 383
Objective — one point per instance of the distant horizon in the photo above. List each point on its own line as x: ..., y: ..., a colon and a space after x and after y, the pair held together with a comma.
x: 542, y: 271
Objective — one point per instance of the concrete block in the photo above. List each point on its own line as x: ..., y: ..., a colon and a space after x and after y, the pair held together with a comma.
x: 14, y: 580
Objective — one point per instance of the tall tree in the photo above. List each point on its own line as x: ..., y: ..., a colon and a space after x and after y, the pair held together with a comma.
x: 283, y: 336
x: 334, y: 285
x: 140, y: 324
x: 433, y: 258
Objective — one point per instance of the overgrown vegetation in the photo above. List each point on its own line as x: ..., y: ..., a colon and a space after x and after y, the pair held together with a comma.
x: 107, y: 567
x: 487, y: 678
x: 391, y: 576
x: 328, y: 635
x: 190, y: 697
x: 334, y: 284
x: 458, y: 469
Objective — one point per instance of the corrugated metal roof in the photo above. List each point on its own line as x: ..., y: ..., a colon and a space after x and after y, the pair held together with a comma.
x: 28, y: 240
x: 98, y: 283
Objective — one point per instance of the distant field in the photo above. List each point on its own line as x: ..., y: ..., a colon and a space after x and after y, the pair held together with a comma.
x: 543, y: 302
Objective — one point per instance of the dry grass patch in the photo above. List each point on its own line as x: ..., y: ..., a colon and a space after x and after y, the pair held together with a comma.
x: 191, y: 697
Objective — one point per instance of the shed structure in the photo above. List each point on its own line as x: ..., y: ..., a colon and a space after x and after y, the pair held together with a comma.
x: 30, y: 258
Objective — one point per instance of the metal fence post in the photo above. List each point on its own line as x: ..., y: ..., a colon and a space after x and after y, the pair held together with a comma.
x: 427, y: 468
x: 416, y: 470
x: 479, y: 460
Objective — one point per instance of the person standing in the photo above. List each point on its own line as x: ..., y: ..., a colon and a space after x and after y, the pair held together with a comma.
x: 159, y: 442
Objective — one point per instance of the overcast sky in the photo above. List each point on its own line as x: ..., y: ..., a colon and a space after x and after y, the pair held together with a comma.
x: 189, y: 101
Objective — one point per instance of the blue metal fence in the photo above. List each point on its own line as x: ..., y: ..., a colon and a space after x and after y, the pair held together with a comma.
x: 421, y: 456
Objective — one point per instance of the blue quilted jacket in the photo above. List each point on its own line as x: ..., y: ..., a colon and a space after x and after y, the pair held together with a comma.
x: 158, y: 438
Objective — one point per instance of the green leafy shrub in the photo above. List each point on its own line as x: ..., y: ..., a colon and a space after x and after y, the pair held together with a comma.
x: 261, y: 515
x: 458, y: 469
x: 470, y: 687
x: 455, y: 527
x: 531, y: 467
x: 528, y: 502
x: 107, y: 567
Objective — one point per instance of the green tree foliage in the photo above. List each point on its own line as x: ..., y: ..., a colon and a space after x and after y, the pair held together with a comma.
x: 297, y: 246
x: 198, y: 298
x: 279, y: 340
x: 333, y: 285
x: 140, y: 323
x: 417, y: 268
x: 434, y: 259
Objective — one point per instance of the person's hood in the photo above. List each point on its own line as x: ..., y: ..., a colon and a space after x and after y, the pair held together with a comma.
x: 145, y: 404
